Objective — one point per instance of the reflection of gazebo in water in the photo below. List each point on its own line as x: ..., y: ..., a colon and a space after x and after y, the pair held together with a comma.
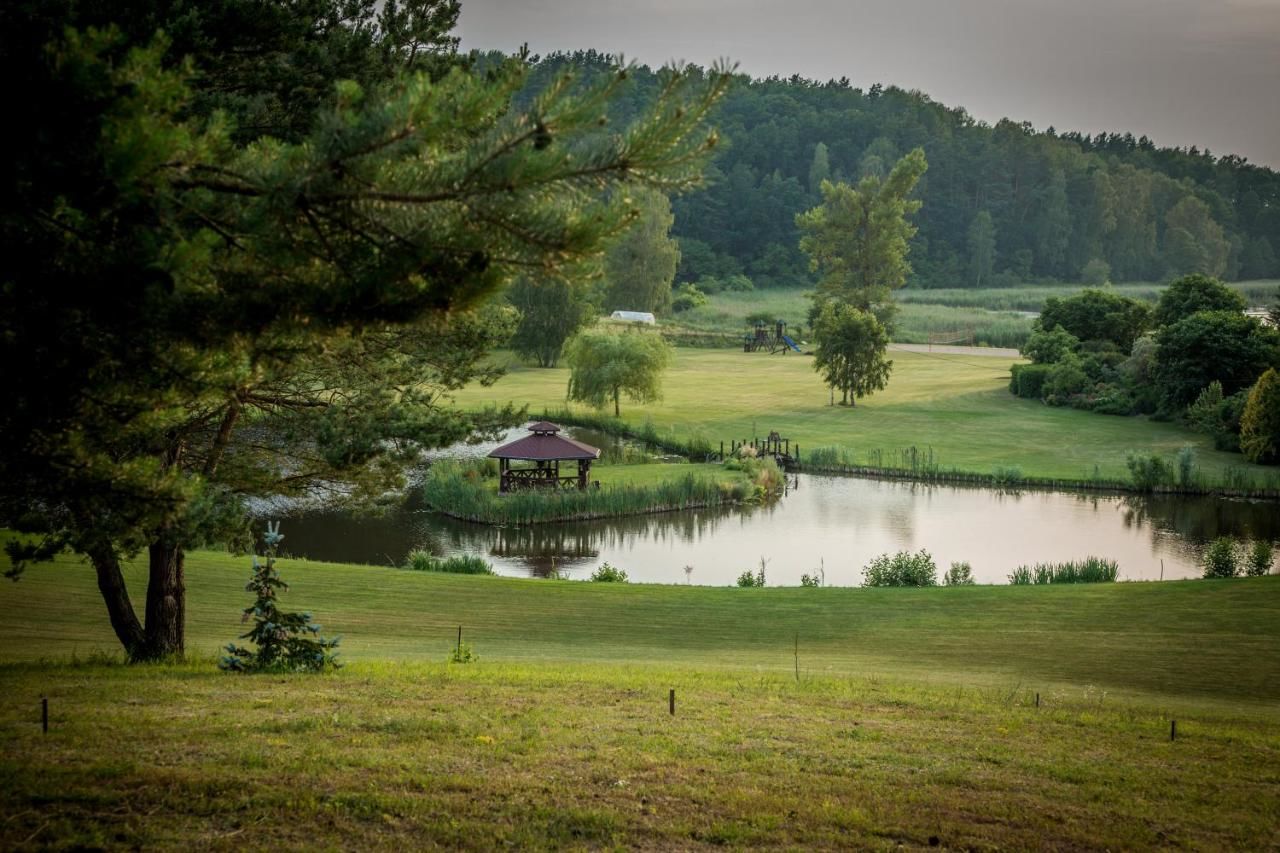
x: 547, y: 450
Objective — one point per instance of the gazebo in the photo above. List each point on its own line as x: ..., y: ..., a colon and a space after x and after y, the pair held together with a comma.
x: 546, y: 449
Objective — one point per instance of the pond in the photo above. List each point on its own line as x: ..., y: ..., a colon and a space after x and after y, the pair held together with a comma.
x: 829, y: 524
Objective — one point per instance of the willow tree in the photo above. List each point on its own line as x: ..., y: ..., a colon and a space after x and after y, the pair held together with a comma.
x: 187, y: 317
x: 604, y: 365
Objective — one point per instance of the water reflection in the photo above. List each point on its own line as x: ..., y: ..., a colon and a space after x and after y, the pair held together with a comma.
x: 837, y: 522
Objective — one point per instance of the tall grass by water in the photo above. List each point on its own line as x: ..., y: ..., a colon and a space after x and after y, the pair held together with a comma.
x: 457, y: 490
x: 464, y: 564
x: 1088, y: 570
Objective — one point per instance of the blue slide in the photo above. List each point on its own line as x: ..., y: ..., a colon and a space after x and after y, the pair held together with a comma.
x: 790, y: 342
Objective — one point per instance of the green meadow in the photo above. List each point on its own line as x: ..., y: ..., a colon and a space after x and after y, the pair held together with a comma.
x: 805, y: 718
x: 997, y: 316
x: 958, y: 406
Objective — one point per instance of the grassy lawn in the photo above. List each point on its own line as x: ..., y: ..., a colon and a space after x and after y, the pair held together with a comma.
x: 959, y: 406
x: 1213, y: 641
x: 913, y: 717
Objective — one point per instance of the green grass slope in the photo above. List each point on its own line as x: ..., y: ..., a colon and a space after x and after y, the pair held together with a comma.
x: 957, y: 405
x: 1202, y: 641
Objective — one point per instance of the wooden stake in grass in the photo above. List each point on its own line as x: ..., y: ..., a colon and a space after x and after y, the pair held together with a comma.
x: 797, y: 652
x: 671, y: 700
x: 44, y: 714
x: 458, y: 649
x: 1037, y: 700
x: 1173, y: 730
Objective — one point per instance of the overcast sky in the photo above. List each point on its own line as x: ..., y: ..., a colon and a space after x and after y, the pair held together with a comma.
x: 1184, y: 72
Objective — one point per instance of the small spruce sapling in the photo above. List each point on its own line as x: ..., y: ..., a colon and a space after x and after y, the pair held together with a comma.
x: 286, y: 642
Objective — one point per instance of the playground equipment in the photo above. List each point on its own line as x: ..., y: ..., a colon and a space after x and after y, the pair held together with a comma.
x: 759, y: 339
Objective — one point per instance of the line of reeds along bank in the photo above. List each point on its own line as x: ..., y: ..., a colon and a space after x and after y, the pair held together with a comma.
x: 467, y: 490
x: 1149, y: 473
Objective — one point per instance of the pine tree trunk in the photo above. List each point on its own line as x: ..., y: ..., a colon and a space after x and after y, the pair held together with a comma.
x: 116, y: 596
x: 166, y: 599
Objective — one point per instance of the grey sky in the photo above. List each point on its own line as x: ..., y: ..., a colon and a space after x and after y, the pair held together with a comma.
x: 1184, y: 72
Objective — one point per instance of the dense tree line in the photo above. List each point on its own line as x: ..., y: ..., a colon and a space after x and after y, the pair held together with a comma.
x: 1002, y: 204
x: 1196, y: 357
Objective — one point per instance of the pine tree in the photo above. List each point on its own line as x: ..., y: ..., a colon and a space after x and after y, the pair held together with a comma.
x: 169, y: 281
x: 286, y: 642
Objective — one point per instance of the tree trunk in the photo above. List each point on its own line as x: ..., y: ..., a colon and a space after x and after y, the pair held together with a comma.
x: 617, y: 412
x: 116, y: 596
x: 166, y: 599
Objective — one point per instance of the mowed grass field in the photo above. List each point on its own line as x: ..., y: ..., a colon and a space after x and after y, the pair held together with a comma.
x: 805, y: 718
x: 958, y: 405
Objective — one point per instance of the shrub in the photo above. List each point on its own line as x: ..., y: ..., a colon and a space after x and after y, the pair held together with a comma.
x: 463, y: 653
x: 1027, y: 380
x: 1148, y: 471
x: 464, y: 564
x: 1066, y: 379
x: 1260, y: 558
x: 901, y: 569
x: 1088, y: 570
x: 1260, y: 422
x: 1006, y: 476
x: 1187, y: 467
x: 1220, y: 559
x: 1218, y: 416
x: 960, y: 574
x: 286, y: 642
x: 608, y: 574
x: 810, y: 580
x: 748, y: 579
x: 1050, y: 347
x: 687, y: 297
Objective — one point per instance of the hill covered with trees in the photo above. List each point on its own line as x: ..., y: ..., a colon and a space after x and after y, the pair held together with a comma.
x: 1002, y: 204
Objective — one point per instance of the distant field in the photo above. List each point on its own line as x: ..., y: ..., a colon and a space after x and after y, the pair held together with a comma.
x: 997, y: 316
x: 959, y: 406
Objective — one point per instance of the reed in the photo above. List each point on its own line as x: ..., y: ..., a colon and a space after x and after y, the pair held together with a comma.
x: 466, y: 564
x: 1088, y: 570
x: 449, y: 489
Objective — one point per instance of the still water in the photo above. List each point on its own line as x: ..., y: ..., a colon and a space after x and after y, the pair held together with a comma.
x: 829, y: 524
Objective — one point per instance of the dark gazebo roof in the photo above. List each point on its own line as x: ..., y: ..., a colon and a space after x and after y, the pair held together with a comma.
x: 545, y: 445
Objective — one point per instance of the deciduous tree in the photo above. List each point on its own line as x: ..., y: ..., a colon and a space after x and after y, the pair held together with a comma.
x: 857, y: 239
x: 641, y: 264
x: 850, y: 351
x: 551, y: 312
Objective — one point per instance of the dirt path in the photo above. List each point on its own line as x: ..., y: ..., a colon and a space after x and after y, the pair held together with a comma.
x: 946, y: 349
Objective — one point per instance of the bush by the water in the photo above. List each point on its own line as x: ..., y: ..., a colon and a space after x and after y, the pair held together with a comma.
x: 901, y: 569
x: 960, y: 574
x: 465, y: 564
x: 1088, y: 570
x: 1220, y: 559
x: 1148, y: 470
x: 1260, y: 558
x: 606, y: 573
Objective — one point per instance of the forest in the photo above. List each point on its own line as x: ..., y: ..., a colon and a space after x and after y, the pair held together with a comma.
x: 1002, y: 205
